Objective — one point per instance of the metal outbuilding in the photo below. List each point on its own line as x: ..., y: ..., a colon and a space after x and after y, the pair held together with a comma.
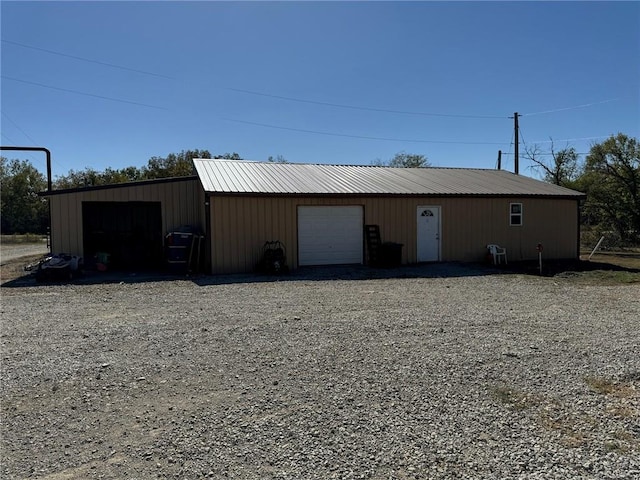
x: 319, y: 212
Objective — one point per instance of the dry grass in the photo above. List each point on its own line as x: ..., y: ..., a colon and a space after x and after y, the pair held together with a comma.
x: 626, y: 259
x: 21, y: 238
x: 574, y: 430
x: 514, y: 398
x: 575, y: 427
x: 607, y: 386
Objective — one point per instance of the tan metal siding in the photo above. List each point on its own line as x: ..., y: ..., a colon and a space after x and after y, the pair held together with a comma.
x: 182, y: 203
x: 470, y: 224
x: 241, y: 225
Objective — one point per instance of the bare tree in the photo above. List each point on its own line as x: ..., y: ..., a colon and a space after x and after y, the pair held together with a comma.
x: 562, y: 169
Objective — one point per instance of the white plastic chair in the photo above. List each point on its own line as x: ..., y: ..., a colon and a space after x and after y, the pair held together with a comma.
x: 496, y: 252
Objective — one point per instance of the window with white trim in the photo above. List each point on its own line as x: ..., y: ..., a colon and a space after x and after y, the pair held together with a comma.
x: 515, y: 214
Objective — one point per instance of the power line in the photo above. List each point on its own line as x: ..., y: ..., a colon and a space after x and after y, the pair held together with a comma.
x: 84, y: 59
x: 8, y: 139
x: 365, y: 137
x: 33, y: 160
x: 510, y: 145
x: 19, y: 129
x: 573, y: 139
x: 354, y: 107
x: 291, y: 99
x: 26, y: 135
x: 82, y: 93
x: 568, y: 108
x: 522, y: 136
x: 549, y: 154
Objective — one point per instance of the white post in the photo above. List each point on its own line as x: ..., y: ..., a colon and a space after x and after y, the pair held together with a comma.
x: 597, y: 246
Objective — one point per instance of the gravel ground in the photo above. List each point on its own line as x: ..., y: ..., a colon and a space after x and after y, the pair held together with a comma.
x: 442, y: 372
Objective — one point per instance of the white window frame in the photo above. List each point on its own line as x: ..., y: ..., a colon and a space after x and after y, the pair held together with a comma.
x: 513, y: 215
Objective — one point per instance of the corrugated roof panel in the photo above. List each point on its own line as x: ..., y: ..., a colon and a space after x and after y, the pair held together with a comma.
x: 245, y: 177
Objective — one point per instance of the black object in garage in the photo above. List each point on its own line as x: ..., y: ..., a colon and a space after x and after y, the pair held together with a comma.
x: 129, y: 232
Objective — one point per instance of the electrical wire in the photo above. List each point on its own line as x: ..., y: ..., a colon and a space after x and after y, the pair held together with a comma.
x: 511, y: 144
x: 524, y: 144
x: 77, y: 92
x: 19, y: 129
x: 573, y: 139
x: 8, y: 139
x: 354, y: 107
x: 27, y: 154
x: 299, y: 100
x: 365, y: 137
x: 568, y: 108
x: 250, y: 92
x: 27, y: 136
x: 84, y: 59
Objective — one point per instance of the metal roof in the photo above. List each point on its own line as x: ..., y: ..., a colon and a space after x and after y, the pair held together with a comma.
x: 246, y: 177
x: 109, y: 186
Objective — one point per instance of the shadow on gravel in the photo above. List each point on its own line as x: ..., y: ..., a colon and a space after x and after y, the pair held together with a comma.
x: 357, y: 272
x: 346, y: 272
x: 560, y: 267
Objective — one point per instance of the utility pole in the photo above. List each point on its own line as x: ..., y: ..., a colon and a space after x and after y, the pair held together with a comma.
x: 499, y: 159
x: 517, y: 146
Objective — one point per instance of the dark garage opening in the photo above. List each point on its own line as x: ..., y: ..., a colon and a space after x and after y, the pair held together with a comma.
x: 129, y: 232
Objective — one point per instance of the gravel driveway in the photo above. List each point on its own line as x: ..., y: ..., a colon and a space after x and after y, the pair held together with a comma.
x: 435, y: 374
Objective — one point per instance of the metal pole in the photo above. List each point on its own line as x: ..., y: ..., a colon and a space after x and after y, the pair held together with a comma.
x: 517, y: 146
x: 539, y: 248
x: 499, y: 159
x: 49, y: 182
x: 35, y: 149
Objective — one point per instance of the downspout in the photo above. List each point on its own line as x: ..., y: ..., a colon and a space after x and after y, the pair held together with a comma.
x: 49, y: 181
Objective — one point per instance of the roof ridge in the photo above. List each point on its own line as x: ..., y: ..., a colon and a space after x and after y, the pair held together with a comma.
x: 266, y: 162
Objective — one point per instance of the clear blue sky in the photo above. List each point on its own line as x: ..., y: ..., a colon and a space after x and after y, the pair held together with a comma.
x: 111, y: 84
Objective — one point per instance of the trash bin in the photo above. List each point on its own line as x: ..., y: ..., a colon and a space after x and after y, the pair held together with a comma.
x: 390, y: 254
x: 178, y: 247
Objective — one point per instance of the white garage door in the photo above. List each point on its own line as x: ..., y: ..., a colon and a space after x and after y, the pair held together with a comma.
x: 329, y: 235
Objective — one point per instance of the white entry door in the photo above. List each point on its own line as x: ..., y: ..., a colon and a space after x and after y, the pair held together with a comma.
x: 428, y: 234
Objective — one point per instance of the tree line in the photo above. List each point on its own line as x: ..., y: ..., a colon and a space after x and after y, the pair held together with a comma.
x: 609, y: 175
x: 22, y: 210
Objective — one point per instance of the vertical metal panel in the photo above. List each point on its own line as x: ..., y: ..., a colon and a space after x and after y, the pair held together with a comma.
x: 182, y: 204
x: 241, y: 225
x: 330, y: 234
